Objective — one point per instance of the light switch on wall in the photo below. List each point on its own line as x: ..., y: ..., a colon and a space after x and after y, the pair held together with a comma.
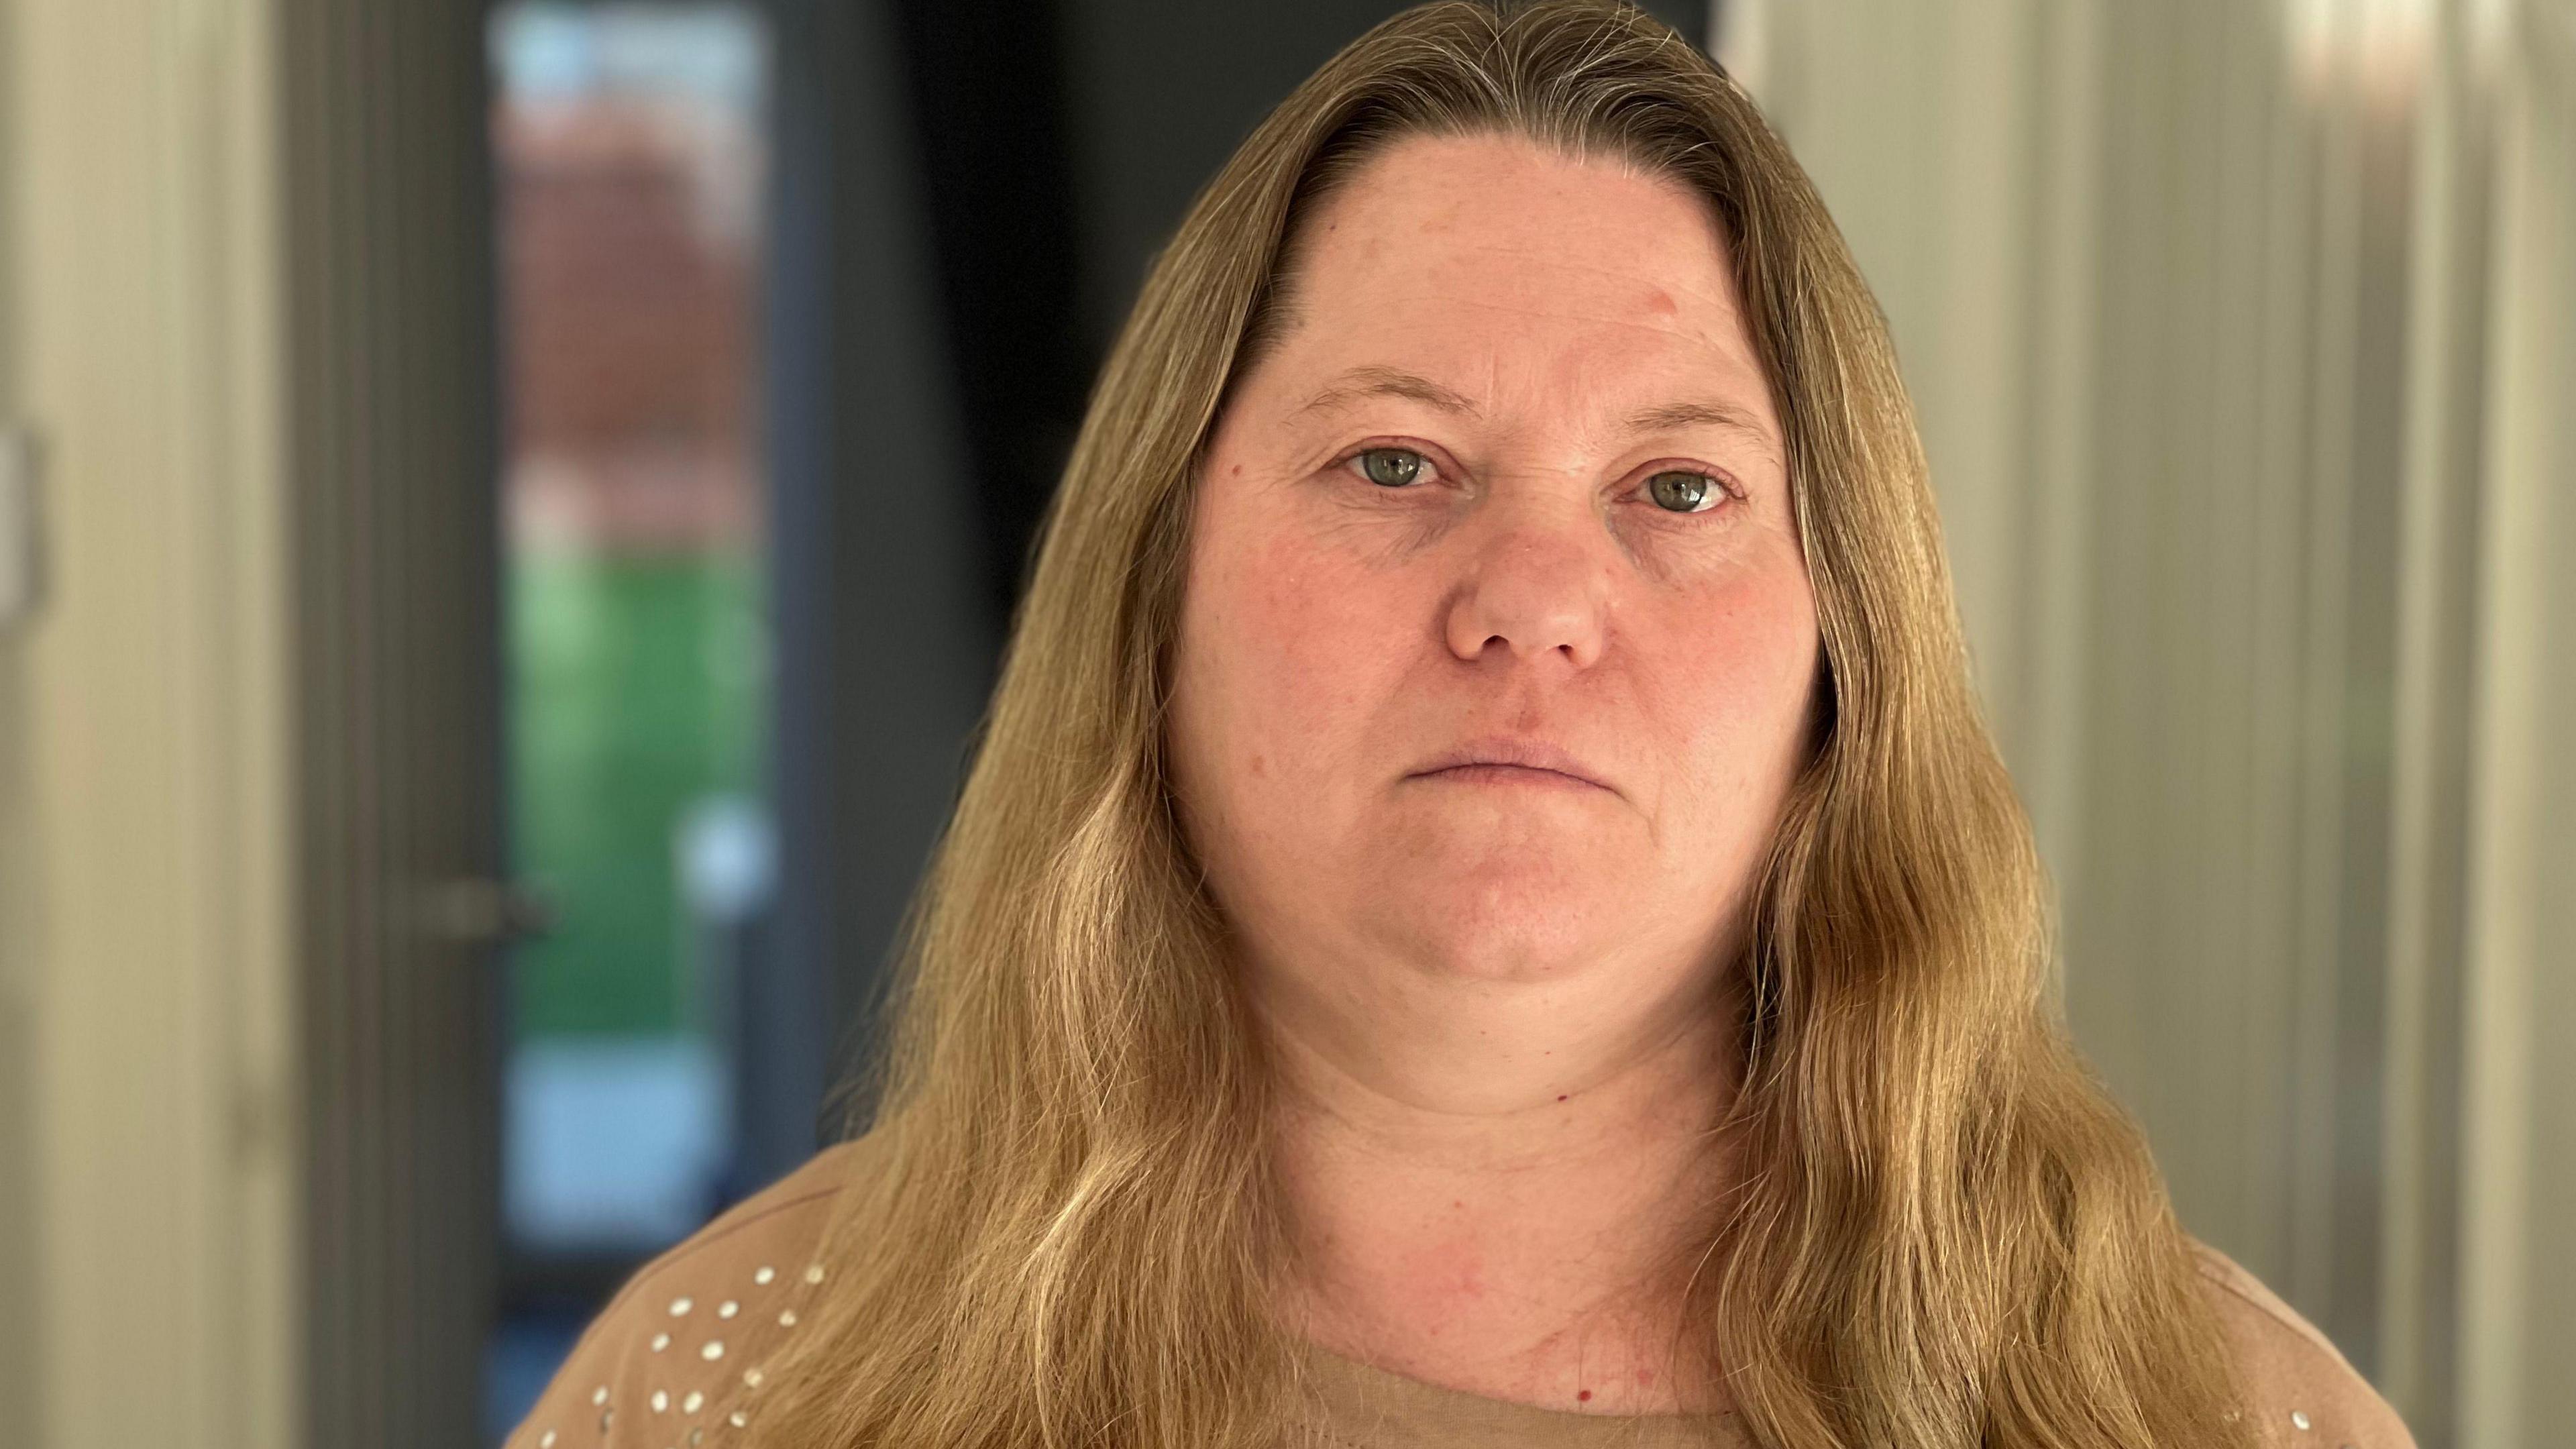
x: 19, y: 558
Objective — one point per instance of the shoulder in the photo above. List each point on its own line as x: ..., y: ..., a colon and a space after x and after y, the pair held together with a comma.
x: 2300, y: 1386
x: 681, y: 1346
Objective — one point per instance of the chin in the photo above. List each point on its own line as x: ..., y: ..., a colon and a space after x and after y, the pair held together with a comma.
x: 1496, y: 925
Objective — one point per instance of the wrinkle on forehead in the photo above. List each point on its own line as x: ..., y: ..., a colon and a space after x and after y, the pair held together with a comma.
x: 1558, y: 258
x: 1666, y: 324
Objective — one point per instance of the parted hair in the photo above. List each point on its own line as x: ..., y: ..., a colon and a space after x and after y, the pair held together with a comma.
x: 1940, y: 1232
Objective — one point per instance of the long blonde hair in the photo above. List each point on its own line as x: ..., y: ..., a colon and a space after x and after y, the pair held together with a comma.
x: 1063, y: 1229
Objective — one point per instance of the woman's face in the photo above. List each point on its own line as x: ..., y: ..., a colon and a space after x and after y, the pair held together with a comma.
x: 1497, y: 644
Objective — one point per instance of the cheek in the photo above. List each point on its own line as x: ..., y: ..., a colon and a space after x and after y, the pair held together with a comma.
x: 1289, y: 652
x: 1728, y: 682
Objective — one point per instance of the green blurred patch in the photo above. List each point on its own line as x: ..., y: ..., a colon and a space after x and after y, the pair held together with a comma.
x: 638, y: 687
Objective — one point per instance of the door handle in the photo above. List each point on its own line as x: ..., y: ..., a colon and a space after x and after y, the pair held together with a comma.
x: 477, y: 911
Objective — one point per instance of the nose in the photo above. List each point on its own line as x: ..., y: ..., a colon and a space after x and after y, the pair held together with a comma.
x: 1536, y: 587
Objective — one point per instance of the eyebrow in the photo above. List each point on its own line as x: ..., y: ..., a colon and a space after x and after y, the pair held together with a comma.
x: 1671, y: 417
x: 1362, y: 382
x: 1373, y: 381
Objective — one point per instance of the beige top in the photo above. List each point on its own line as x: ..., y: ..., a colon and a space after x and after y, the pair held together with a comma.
x: 676, y: 1359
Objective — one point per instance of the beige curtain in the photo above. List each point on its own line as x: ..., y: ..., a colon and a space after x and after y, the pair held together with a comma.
x: 2244, y: 338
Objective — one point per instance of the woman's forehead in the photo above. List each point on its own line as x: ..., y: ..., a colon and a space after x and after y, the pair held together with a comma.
x: 1473, y: 212
x: 1466, y: 274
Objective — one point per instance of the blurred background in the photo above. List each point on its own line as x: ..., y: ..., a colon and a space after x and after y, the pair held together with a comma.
x: 507, y: 513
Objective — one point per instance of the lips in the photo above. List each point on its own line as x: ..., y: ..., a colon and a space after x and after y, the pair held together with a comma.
x: 1514, y: 754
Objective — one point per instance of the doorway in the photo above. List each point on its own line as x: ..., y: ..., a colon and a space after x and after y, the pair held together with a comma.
x: 631, y: 152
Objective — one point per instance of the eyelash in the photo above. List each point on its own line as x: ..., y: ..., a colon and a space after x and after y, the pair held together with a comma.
x: 1719, y: 483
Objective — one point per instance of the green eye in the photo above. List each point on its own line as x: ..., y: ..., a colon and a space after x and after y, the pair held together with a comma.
x: 1391, y: 467
x: 1681, y: 492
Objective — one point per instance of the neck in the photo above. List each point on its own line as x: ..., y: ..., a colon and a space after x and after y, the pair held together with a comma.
x: 1499, y: 1189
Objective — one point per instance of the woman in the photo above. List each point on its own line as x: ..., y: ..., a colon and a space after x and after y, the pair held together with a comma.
x: 1484, y: 911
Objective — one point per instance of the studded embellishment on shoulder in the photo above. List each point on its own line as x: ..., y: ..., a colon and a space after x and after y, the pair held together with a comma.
x: 681, y: 1356
x: 681, y: 1402
x: 2302, y: 1391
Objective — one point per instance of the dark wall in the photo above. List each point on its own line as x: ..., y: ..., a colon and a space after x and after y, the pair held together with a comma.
x: 885, y: 634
